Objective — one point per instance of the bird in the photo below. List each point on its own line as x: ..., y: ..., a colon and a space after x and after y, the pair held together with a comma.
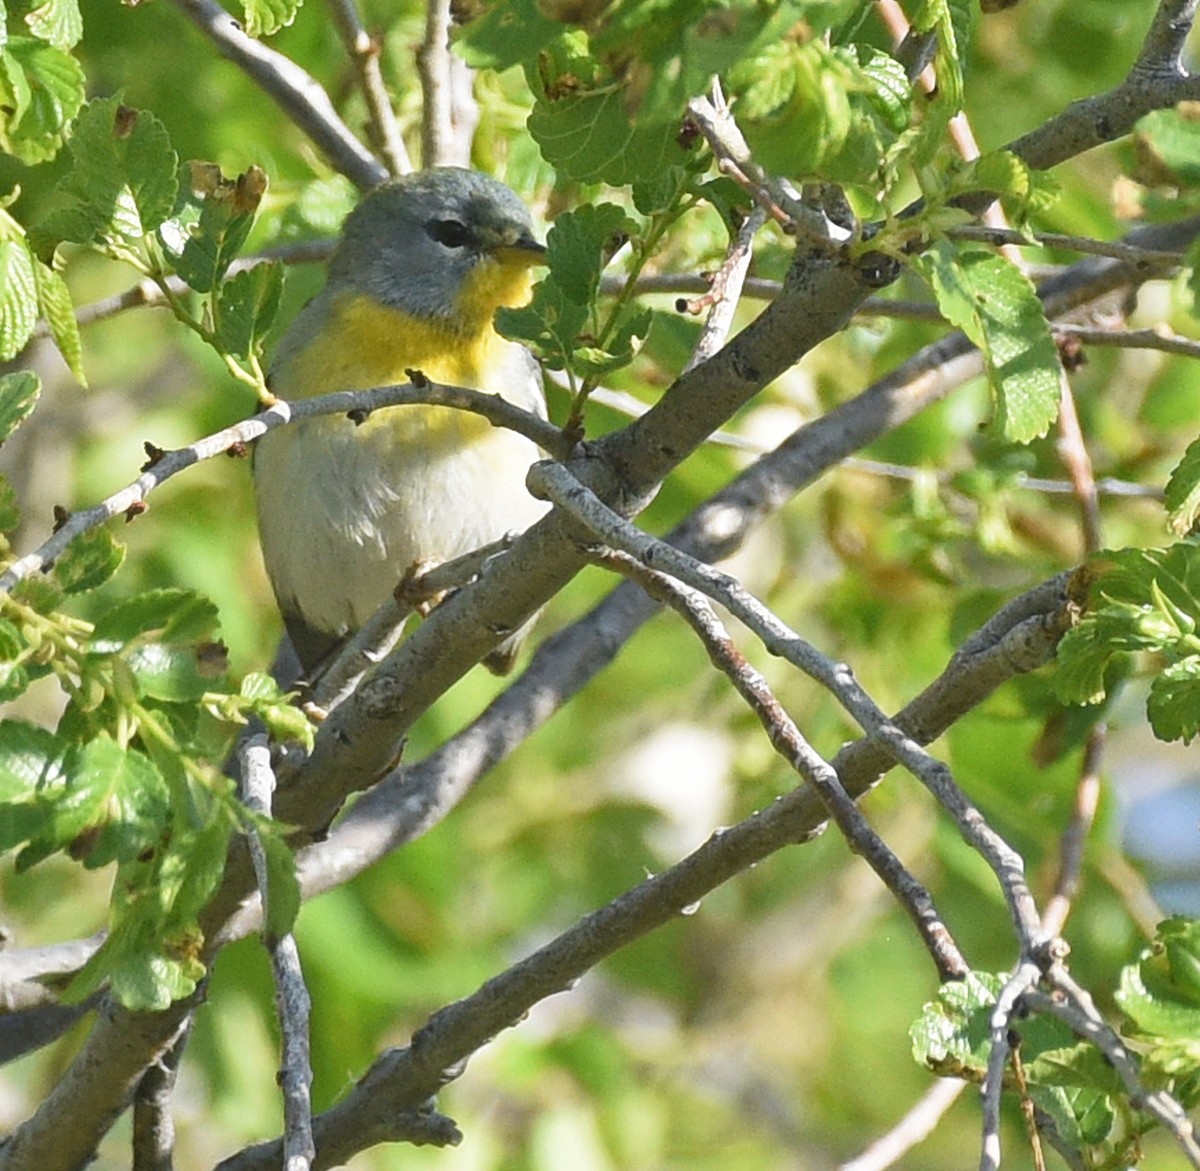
x: 344, y: 512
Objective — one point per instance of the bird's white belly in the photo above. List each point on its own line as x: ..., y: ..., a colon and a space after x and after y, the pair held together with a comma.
x: 339, y: 532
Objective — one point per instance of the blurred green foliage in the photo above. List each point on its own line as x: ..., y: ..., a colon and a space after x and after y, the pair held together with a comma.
x: 770, y: 1027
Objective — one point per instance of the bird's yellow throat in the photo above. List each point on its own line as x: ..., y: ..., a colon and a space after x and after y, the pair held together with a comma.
x: 365, y: 344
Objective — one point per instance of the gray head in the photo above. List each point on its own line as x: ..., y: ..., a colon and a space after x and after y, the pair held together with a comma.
x: 418, y: 243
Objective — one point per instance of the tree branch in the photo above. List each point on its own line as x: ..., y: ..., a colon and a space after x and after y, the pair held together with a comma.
x: 292, y: 1001
x: 299, y: 95
x: 364, y: 53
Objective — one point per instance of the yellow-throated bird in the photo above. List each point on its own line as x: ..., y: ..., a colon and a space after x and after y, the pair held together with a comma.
x: 422, y: 266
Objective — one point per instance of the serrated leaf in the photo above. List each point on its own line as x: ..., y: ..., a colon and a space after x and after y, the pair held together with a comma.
x: 1180, y: 940
x: 549, y: 325
x: 113, y: 807
x: 57, y: 21
x: 89, y: 561
x: 19, y: 392
x: 830, y: 112
x: 168, y: 673
x: 1080, y: 665
x: 30, y: 757
x: 41, y: 90
x: 212, y: 217
x: 132, y: 962
x: 286, y: 723
x: 505, y: 34
x: 265, y: 17
x: 953, y: 1032
x: 246, y: 308
x: 578, y: 247
x: 57, y: 307
x: 1081, y: 1117
x: 123, y: 179
x: 589, y: 137
x: 175, y: 615
x: 1183, y: 491
x: 996, y: 306
x: 1174, y: 702
x: 18, y: 297
x: 950, y: 21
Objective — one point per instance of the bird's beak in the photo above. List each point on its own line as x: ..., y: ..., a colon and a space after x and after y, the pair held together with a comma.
x: 522, y: 250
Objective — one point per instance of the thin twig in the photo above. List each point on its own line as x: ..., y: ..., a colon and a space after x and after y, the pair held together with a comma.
x: 450, y: 115
x: 1072, y: 450
x: 364, y: 52
x: 725, y: 290
x: 292, y: 1001
x: 555, y: 483
x: 299, y: 94
x: 1071, y: 1003
x: 1024, y: 977
x: 236, y: 438
x: 916, y: 1126
x: 1074, y: 839
x: 787, y: 739
x: 1155, y: 338
x: 1148, y: 259
x: 1028, y: 1110
x: 715, y: 121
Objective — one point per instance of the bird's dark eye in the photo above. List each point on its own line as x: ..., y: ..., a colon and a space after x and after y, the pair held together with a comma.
x: 451, y: 233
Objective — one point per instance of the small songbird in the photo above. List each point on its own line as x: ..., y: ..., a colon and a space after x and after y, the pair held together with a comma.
x: 344, y: 511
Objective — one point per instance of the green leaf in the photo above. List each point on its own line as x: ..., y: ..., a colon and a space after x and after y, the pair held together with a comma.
x: 590, y: 137
x: 57, y: 307
x: 505, y: 34
x: 953, y: 1033
x: 151, y: 955
x: 41, y: 90
x: 1080, y: 665
x: 809, y: 109
x: 211, y: 220
x: 579, y: 245
x: 265, y: 17
x: 89, y: 561
x: 996, y: 306
x: 1081, y: 1116
x: 549, y: 325
x: 19, y: 392
x: 140, y: 975
x: 57, y: 21
x: 1174, y: 702
x: 175, y: 615
x: 622, y: 346
x: 950, y: 21
x: 1183, y: 491
x: 1167, y: 1026
x: 246, y: 308
x: 285, y: 723
x: 18, y: 297
x: 168, y: 673
x: 113, y: 807
x: 30, y: 762
x: 1180, y: 941
x: 122, y: 183
x: 1141, y: 600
